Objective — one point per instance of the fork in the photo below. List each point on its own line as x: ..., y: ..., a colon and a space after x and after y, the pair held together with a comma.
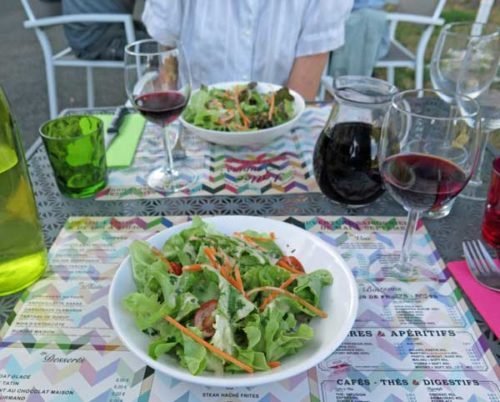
x: 481, y: 265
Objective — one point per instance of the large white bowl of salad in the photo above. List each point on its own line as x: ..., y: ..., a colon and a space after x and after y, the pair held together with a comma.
x: 242, y: 113
x: 233, y: 301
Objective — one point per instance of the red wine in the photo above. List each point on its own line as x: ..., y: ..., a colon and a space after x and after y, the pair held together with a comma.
x: 422, y: 182
x: 345, y: 163
x: 161, y: 107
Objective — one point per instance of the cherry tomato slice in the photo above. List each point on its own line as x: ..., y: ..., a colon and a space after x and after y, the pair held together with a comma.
x: 290, y: 261
x: 176, y: 268
x: 204, y: 318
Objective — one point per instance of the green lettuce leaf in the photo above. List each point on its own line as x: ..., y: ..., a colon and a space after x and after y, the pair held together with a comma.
x: 267, y: 275
x: 309, y: 286
x: 160, y: 347
x: 194, y: 356
x: 188, y: 303
x: 147, y: 311
x: 281, y: 336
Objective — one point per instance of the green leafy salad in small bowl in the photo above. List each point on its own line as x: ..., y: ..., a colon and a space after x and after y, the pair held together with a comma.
x: 242, y: 113
x: 213, y: 302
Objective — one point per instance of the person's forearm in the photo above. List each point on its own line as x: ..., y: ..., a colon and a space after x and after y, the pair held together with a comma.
x: 306, y: 74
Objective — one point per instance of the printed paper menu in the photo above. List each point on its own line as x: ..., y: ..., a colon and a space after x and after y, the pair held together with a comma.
x: 412, y: 341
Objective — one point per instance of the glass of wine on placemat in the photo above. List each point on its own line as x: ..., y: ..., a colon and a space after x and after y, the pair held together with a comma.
x: 418, y: 156
x: 158, y: 84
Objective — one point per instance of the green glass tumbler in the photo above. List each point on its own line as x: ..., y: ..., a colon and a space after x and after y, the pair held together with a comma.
x: 76, y: 151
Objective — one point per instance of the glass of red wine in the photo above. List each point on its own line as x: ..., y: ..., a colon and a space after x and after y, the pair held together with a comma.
x: 158, y: 84
x: 427, y: 156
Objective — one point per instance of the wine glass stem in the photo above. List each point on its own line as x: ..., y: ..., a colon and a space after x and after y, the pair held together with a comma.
x: 476, y: 178
x: 169, y: 160
x: 411, y: 226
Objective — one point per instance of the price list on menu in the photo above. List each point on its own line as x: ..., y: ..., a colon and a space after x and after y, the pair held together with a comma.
x: 411, y: 341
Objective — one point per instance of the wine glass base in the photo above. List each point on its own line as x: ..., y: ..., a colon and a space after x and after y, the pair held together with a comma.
x: 475, y: 192
x: 439, y: 213
x: 167, y: 182
x: 403, y: 272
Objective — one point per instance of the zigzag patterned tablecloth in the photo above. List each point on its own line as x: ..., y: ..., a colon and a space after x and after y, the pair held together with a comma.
x: 281, y: 167
x: 412, y: 341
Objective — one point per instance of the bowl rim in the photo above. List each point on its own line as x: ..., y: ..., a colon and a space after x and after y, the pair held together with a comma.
x: 298, y: 99
x: 241, y: 380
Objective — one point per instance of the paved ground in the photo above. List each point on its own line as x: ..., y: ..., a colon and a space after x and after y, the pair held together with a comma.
x: 22, y: 74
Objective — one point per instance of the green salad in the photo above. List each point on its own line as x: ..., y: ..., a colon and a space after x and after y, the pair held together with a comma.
x: 223, y: 303
x: 241, y: 108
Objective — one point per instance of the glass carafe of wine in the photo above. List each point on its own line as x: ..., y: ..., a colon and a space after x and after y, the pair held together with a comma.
x: 23, y: 256
x: 345, y: 155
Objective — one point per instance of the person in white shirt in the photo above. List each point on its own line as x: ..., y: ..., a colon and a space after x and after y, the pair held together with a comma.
x: 285, y: 42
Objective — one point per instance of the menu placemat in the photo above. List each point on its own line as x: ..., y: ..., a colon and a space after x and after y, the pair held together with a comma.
x: 412, y: 341
x: 282, y: 167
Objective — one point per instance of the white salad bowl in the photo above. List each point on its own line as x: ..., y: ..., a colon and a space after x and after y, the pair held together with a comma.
x: 255, y: 137
x: 340, y: 301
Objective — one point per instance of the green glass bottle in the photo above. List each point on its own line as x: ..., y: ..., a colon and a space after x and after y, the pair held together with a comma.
x: 23, y: 256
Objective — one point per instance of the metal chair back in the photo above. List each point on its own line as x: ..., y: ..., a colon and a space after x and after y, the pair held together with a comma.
x: 45, y: 14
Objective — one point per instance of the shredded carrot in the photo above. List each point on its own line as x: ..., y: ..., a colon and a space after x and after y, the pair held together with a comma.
x: 274, y: 364
x: 273, y: 296
x: 210, y: 253
x: 288, y: 282
x: 239, y: 281
x: 289, y: 268
x: 285, y: 292
x: 233, y: 282
x: 271, y: 107
x: 192, y: 267
x: 224, y: 119
x: 239, y: 126
x: 226, y: 261
x: 267, y: 300
x: 223, y: 271
x: 163, y: 259
x: 226, y: 266
x: 244, y: 118
x: 217, y: 103
x: 210, y: 347
x: 256, y: 238
x: 249, y: 241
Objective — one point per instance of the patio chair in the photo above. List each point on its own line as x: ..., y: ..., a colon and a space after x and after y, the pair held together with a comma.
x: 422, y: 12
x: 484, y: 10
x: 45, y: 15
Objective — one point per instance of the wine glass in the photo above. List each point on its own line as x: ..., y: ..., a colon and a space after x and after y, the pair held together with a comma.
x: 158, y: 84
x: 465, y: 61
x: 418, y: 151
x: 489, y: 102
x: 466, y: 52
